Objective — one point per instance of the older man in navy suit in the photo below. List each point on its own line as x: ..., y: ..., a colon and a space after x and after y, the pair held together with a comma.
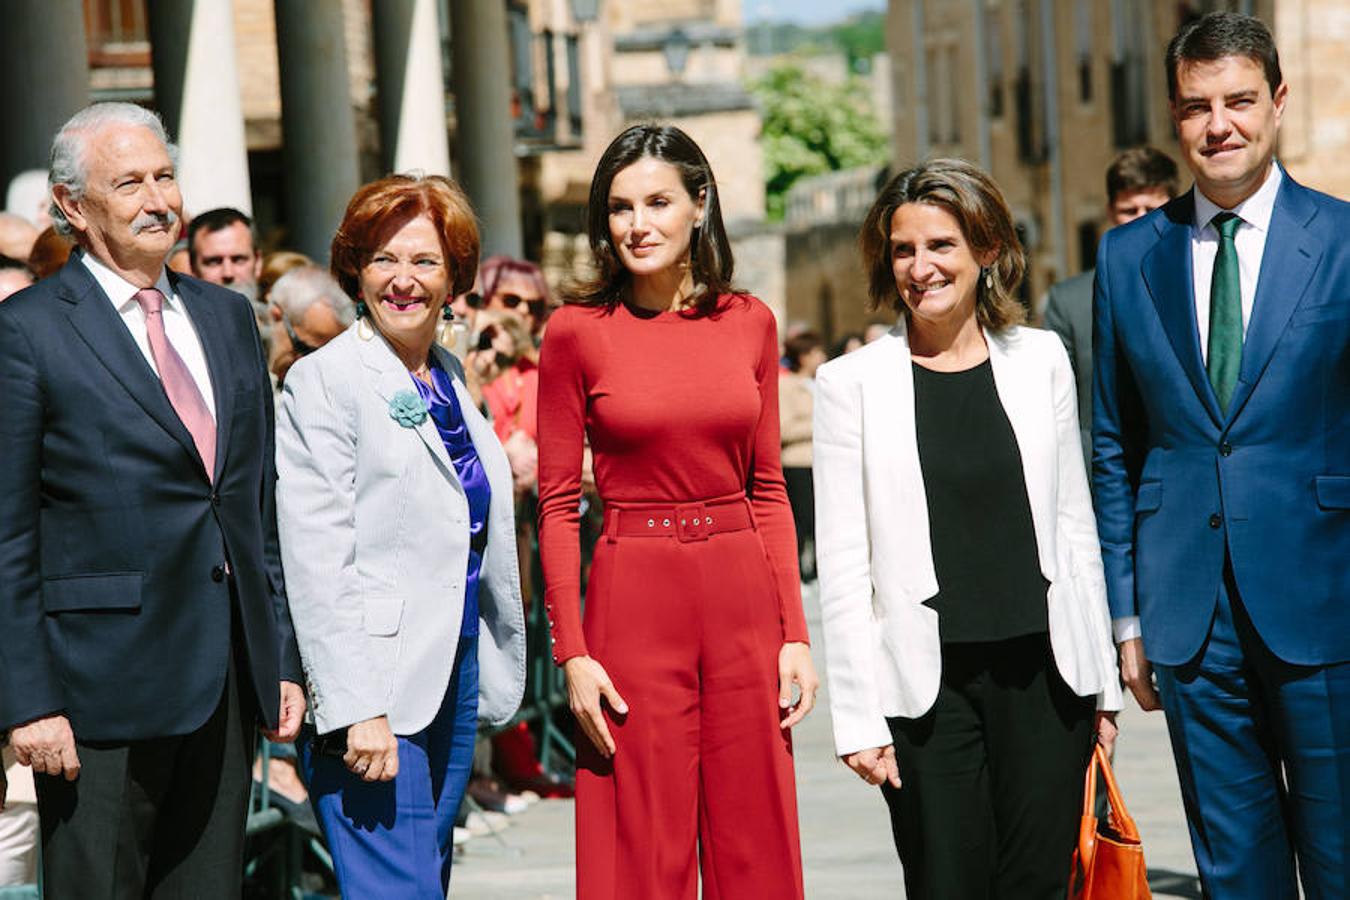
x: 1221, y: 442
x: 145, y: 625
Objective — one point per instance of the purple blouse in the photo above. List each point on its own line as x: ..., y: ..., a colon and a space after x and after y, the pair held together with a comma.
x: 443, y: 404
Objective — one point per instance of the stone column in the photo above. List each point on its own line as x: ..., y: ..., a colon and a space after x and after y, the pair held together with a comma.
x: 197, y: 92
x: 411, y: 95
x: 318, y: 125
x: 487, y: 162
x: 44, y: 79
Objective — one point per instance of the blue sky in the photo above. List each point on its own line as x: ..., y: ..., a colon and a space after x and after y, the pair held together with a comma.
x: 806, y: 12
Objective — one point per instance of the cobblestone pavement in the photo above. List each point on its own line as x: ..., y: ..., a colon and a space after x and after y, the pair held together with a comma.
x: 846, y: 841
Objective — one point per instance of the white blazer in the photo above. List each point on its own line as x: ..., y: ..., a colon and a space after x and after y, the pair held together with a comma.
x: 873, y: 549
x: 375, y: 544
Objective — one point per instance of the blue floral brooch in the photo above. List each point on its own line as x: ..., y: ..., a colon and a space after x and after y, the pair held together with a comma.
x: 407, y: 409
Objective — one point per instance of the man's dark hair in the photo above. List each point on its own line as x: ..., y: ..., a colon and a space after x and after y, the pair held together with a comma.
x: 1216, y: 35
x: 214, y: 220
x: 9, y: 263
x: 1139, y: 169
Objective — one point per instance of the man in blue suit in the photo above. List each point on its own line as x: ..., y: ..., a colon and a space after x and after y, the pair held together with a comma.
x: 1221, y: 468
x: 145, y: 627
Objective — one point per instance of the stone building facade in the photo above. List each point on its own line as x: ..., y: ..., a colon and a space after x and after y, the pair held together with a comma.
x: 1044, y: 93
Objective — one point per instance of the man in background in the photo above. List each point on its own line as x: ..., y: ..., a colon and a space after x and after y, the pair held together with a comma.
x: 307, y: 309
x: 223, y: 251
x: 1138, y: 181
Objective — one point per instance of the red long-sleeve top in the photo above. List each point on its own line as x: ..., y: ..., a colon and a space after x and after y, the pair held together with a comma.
x: 678, y: 408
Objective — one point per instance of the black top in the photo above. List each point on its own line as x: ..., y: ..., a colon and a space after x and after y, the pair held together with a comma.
x: 990, y: 586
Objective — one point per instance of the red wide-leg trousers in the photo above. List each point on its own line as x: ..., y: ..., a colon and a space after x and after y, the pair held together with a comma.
x: 702, y: 779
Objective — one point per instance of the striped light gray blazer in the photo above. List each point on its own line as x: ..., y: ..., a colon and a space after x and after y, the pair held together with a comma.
x: 375, y: 542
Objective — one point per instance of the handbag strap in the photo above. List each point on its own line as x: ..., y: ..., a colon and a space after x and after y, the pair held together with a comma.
x: 1087, y: 822
x: 1120, y: 816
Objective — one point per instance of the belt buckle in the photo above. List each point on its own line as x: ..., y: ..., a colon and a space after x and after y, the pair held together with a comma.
x: 691, y: 523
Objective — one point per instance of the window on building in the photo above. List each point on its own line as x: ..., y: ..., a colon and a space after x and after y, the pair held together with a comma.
x: 1129, y: 80
x: 1082, y: 27
x: 953, y: 91
x: 1024, y: 289
x: 936, y: 108
x: 117, y: 33
x: 993, y: 52
x: 524, y: 110
x: 1025, y: 105
x: 574, y: 120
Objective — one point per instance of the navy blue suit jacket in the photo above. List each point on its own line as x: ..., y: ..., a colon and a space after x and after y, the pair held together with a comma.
x: 113, y: 541
x: 1174, y: 478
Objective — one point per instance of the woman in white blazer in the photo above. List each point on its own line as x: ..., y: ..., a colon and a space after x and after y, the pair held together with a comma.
x: 967, y: 637
x: 398, y: 541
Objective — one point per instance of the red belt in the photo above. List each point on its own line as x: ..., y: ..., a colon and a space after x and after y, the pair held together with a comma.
x: 685, y: 522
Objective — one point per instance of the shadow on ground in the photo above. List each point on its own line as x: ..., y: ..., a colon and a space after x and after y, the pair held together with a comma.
x: 1173, y: 884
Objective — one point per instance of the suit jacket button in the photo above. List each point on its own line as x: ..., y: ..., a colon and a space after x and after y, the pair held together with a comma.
x: 1215, y: 520
x: 1225, y: 449
x: 215, y: 499
x: 217, y: 573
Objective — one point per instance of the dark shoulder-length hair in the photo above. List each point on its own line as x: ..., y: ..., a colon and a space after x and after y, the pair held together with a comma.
x: 710, y: 260
x: 971, y: 198
x: 378, y: 209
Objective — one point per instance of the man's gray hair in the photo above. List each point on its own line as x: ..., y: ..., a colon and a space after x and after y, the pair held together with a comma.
x: 299, y: 289
x: 70, y: 150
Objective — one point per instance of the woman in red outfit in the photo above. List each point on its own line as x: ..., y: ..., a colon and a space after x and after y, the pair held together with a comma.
x: 681, y: 675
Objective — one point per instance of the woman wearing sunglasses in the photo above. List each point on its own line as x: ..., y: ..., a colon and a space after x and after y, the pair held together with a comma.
x: 515, y: 287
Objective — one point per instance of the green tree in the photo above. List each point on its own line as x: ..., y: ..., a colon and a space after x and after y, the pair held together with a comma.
x: 860, y: 38
x: 812, y: 127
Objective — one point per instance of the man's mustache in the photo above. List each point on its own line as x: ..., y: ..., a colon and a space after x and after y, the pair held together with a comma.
x: 152, y: 220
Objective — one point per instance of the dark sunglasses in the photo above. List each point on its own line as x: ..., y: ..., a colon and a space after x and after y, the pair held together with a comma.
x: 511, y: 301
x: 300, y: 347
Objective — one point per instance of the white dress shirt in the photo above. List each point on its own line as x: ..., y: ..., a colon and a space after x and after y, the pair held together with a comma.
x: 178, y: 326
x: 1250, y: 241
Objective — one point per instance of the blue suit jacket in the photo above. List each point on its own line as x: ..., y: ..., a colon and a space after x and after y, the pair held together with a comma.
x: 113, y: 541
x: 1174, y: 478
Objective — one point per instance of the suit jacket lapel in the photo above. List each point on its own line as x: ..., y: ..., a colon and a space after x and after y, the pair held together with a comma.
x: 97, y: 323
x: 1023, y: 401
x: 891, y: 454
x: 1292, y: 254
x: 389, y: 378
x: 210, y: 327
x: 1167, y: 270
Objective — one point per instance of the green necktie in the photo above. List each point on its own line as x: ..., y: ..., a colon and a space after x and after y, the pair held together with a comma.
x: 1225, y: 313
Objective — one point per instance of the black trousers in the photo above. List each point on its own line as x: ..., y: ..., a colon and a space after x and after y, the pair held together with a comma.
x: 802, y: 499
x: 161, y: 818
x: 992, y: 777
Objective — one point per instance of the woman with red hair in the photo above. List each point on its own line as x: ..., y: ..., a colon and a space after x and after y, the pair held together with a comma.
x: 398, y: 539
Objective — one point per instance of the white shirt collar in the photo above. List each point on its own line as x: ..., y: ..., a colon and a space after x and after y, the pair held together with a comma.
x: 120, y: 291
x: 1256, y: 210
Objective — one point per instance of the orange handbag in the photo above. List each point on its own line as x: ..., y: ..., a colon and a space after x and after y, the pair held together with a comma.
x: 1108, y: 863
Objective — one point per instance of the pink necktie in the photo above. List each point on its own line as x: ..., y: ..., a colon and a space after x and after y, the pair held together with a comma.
x: 183, y: 392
